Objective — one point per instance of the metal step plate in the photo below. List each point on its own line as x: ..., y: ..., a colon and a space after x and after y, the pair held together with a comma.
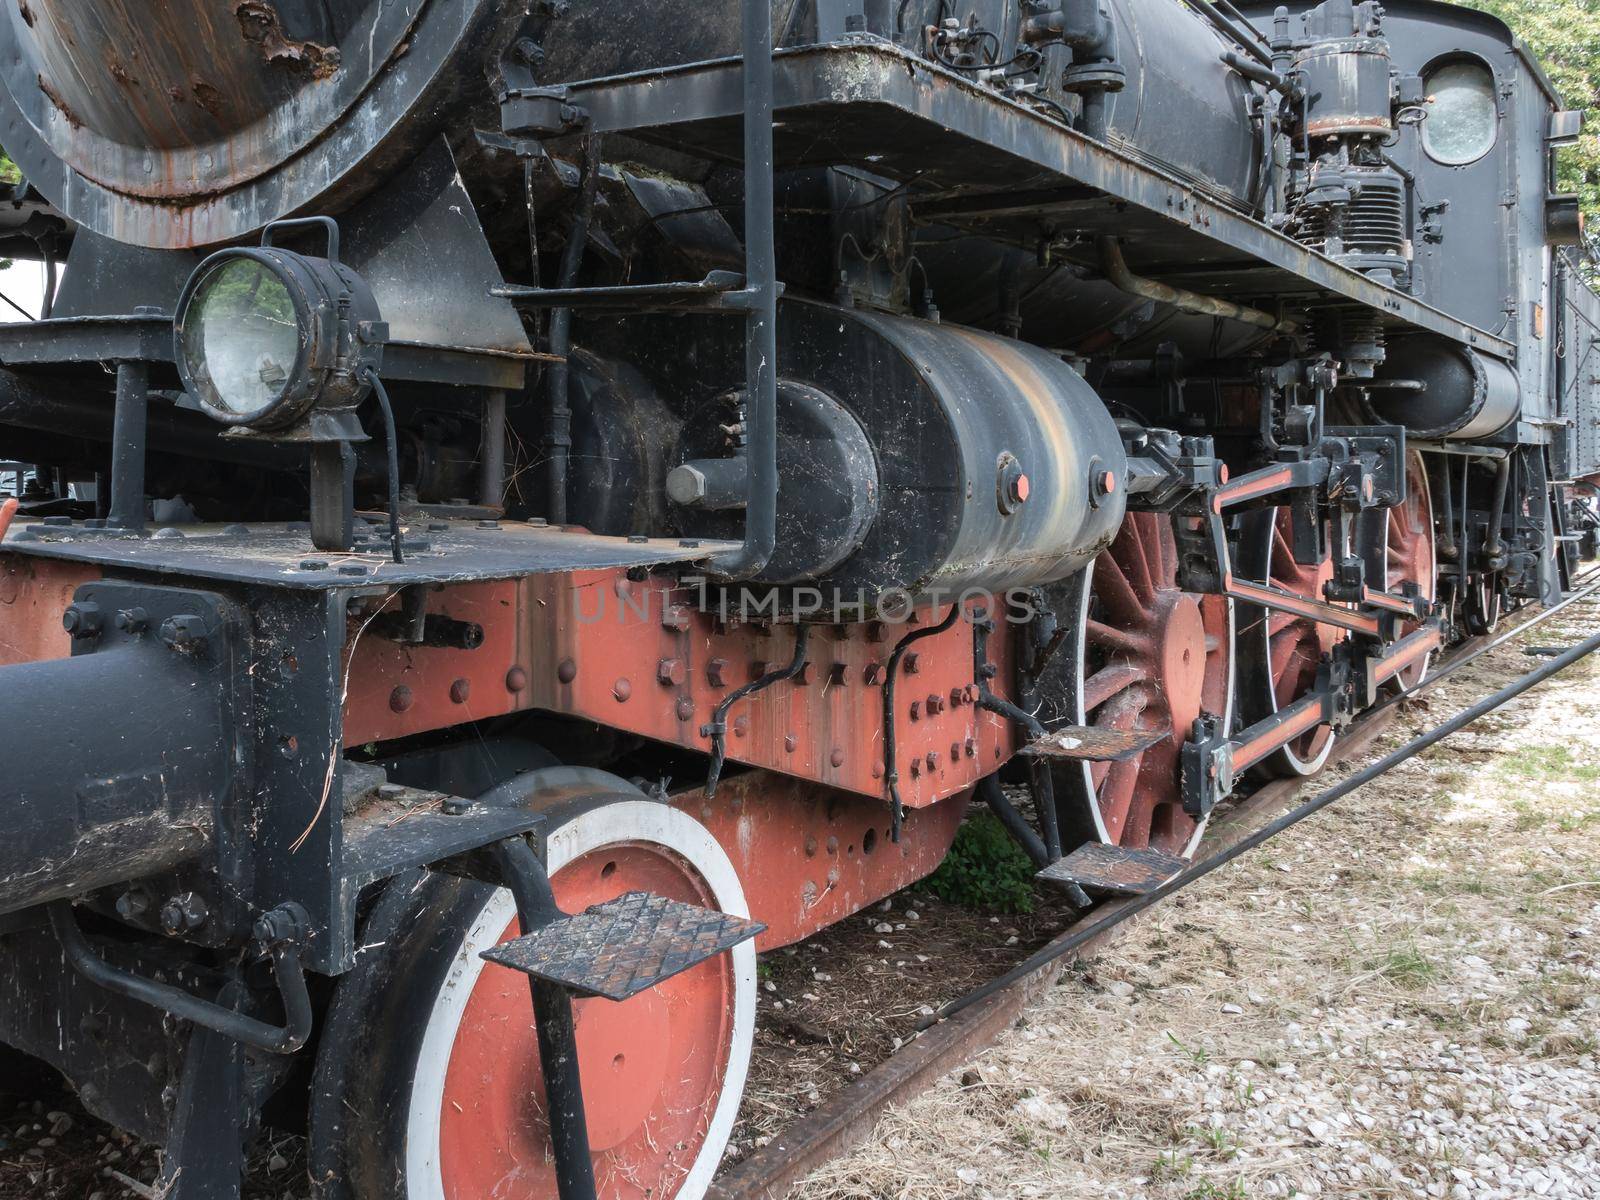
x: 1087, y: 743
x: 1113, y: 870
x: 624, y: 946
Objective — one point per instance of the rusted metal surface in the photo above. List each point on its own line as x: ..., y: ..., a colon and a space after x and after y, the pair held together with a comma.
x: 1114, y: 870
x: 623, y: 947
x: 640, y: 657
x: 194, y: 122
x: 33, y: 595
x: 809, y: 856
x: 1090, y: 743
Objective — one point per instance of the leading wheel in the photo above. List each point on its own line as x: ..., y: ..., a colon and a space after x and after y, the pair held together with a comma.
x: 427, y: 1082
x: 1280, y: 654
x: 1145, y: 655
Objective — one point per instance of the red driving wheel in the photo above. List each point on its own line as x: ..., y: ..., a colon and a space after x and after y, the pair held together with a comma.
x: 1280, y: 654
x: 1397, y: 544
x: 1149, y: 656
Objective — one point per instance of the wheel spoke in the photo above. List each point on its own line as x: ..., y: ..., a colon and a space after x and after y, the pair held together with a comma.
x: 1112, y: 586
x: 1283, y: 649
x: 1116, y: 797
x: 1106, y: 683
x: 1167, y: 546
x: 1133, y: 556
x: 1098, y: 633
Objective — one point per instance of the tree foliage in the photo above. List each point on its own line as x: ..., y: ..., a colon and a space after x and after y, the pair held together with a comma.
x: 1564, y: 35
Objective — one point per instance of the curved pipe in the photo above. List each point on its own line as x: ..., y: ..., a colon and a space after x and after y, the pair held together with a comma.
x: 717, y: 728
x: 271, y: 1039
x: 891, y: 768
x: 1115, y: 269
x: 1021, y: 832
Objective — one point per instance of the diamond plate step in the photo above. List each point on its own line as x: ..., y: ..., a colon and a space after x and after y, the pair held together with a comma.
x: 1114, y: 870
x: 624, y: 946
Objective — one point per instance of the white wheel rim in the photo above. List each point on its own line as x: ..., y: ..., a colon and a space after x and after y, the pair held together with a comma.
x: 624, y: 821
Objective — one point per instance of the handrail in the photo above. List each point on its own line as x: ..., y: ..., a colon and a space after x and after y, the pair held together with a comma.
x: 760, y: 298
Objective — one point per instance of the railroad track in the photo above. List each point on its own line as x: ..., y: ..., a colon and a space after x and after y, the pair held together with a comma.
x: 967, y: 1024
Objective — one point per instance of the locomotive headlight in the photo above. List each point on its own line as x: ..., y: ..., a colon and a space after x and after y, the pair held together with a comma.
x: 272, y: 340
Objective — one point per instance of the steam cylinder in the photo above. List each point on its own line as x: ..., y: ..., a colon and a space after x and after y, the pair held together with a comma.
x: 920, y: 456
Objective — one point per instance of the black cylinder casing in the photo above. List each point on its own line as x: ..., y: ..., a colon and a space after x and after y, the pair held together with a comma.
x: 123, y: 748
x: 1465, y: 395
x: 954, y: 417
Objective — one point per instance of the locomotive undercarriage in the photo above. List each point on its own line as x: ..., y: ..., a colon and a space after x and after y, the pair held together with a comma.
x: 545, y: 657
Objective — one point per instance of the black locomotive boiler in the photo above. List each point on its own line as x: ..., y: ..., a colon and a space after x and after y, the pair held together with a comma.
x: 520, y: 506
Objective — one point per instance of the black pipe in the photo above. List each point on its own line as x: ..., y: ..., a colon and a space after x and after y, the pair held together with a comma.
x: 1227, y: 28
x: 1044, y: 789
x: 1222, y: 858
x: 1494, y: 540
x: 760, y: 296
x: 129, y: 438
x: 717, y: 728
x: 492, y: 450
x: 1041, y: 780
x: 392, y: 453
x: 1446, y: 541
x: 525, y: 876
x: 891, y: 768
x: 558, y: 439
x: 989, y: 791
x: 271, y: 1039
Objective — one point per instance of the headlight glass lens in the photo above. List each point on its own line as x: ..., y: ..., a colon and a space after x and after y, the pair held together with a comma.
x: 241, y: 335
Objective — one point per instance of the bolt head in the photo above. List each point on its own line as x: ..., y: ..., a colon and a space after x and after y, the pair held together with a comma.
x: 717, y: 672
x: 669, y: 672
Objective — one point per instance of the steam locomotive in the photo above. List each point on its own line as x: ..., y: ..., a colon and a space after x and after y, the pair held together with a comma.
x: 522, y: 506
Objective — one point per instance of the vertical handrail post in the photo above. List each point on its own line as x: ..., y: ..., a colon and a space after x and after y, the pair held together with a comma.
x: 760, y: 298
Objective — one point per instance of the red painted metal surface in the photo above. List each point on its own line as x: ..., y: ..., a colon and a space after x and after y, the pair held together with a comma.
x: 639, y: 656
x: 809, y: 856
x: 1165, y: 656
x: 33, y: 594
x: 651, y: 1066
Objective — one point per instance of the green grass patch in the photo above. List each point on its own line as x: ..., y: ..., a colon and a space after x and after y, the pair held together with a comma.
x: 1404, y: 965
x: 985, y: 870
